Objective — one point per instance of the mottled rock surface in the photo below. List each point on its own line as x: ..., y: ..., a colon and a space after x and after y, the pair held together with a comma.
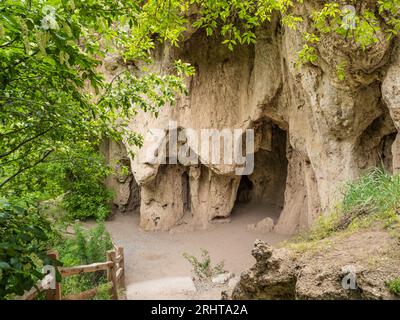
x: 352, y: 267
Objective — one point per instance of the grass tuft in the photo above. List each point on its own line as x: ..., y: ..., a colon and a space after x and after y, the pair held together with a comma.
x: 394, y: 286
x: 373, y: 199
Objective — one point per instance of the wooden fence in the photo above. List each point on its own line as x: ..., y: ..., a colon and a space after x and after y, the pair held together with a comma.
x: 114, y: 266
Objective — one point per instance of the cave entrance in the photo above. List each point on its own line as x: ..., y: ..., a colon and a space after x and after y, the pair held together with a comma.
x: 262, y: 193
x: 244, y: 190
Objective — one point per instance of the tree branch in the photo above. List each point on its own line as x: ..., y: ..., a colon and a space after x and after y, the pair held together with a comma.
x: 21, y: 170
x: 25, y: 142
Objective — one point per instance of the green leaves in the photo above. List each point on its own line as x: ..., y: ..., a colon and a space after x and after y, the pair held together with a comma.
x: 4, y: 265
x: 184, y: 69
x: 394, y: 286
x: 83, y: 176
x: 24, y: 237
x: 341, y: 70
x: 203, y: 268
x: 236, y: 20
x: 361, y: 26
x: 292, y: 21
x: 307, y: 54
x: 52, y: 94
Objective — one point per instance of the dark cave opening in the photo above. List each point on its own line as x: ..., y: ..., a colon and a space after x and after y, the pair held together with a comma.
x: 244, y: 189
x: 374, y: 147
x: 385, y: 152
x: 262, y: 193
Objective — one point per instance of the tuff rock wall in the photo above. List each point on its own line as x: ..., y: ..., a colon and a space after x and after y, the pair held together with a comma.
x: 333, y: 130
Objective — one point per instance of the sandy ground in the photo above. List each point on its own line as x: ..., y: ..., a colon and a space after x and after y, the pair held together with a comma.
x: 154, y: 259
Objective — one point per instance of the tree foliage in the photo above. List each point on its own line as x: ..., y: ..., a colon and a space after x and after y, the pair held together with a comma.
x: 55, y: 108
x: 24, y: 241
x: 52, y: 95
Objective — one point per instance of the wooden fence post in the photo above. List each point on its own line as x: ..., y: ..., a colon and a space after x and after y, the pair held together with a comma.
x: 111, y: 270
x: 122, y: 265
x: 54, y: 294
x: 115, y: 267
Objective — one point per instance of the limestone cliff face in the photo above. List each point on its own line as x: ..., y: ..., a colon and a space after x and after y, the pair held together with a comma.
x: 312, y: 131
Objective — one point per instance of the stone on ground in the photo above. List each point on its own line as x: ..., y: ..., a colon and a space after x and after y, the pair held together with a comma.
x: 222, y: 278
x: 265, y: 225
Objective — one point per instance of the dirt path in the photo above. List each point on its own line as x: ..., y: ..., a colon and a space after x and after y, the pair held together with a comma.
x: 154, y: 259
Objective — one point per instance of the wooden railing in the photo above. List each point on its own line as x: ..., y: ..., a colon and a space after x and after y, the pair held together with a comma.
x: 114, y: 266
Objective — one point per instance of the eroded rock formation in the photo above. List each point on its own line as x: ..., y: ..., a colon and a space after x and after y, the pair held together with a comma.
x: 313, y: 132
x: 339, y: 270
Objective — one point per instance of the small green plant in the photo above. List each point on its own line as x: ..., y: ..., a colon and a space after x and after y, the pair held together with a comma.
x: 202, y: 267
x: 307, y: 54
x: 103, y: 292
x: 341, y: 70
x: 394, y: 286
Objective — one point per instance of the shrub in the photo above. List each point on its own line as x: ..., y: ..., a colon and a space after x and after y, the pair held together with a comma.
x: 24, y: 240
x: 203, y: 268
x: 86, y: 195
x: 75, y: 176
x: 85, y: 248
x: 84, y: 202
